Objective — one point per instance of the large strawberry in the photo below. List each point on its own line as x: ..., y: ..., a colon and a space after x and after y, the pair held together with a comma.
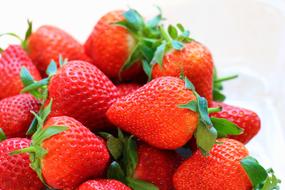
x: 48, y: 43
x: 244, y: 118
x: 15, y: 114
x: 127, y: 88
x: 118, y: 42
x: 65, y: 153
x: 78, y: 90
x: 15, y: 172
x: 141, y: 167
x: 228, y: 167
x: 103, y: 184
x: 12, y: 60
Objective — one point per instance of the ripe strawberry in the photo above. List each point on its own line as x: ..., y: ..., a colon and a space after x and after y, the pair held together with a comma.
x: 245, y: 119
x: 81, y: 91
x: 195, y: 61
x: 103, y: 184
x: 11, y: 61
x: 156, y: 104
x: 127, y: 88
x: 48, y: 42
x: 15, y: 115
x: 15, y: 172
x: 110, y: 46
x: 64, y: 153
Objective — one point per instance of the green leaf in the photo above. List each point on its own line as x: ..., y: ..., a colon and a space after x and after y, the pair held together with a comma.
x: 29, y: 30
x: 36, y: 85
x: 134, y: 19
x: 205, y: 138
x: 203, y: 111
x: 115, y: 147
x: 189, y: 85
x: 180, y: 27
x: 218, y: 95
x: 172, y: 31
x: 177, y: 45
x: 271, y: 182
x: 147, y: 69
x: 225, y: 127
x: 46, y: 111
x: 116, y: 172
x: 26, y: 77
x: 133, y: 57
x: 2, y: 135
x: 256, y: 173
x: 137, y: 184
x: 52, y: 68
x: 49, y: 132
x: 154, y: 22
x: 192, y: 105
x: 147, y: 52
x: 158, y: 54
x: 33, y: 127
x: 130, y: 156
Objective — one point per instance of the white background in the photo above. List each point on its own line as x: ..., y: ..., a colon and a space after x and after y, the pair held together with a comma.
x: 245, y: 36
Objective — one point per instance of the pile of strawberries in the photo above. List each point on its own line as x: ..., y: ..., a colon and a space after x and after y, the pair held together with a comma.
x: 138, y: 106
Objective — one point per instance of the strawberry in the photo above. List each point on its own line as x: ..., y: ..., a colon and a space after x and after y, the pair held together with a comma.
x: 228, y: 167
x: 103, y: 184
x: 244, y: 118
x: 15, y: 172
x: 127, y: 88
x: 156, y: 104
x: 195, y: 61
x: 143, y: 167
x: 64, y: 152
x: 48, y: 42
x: 11, y: 61
x: 15, y: 114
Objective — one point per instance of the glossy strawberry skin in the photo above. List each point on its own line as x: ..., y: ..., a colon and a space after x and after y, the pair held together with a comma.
x: 156, y: 166
x: 244, y: 118
x: 127, y: 88
x: 220, y: 170
x: 151, y: 113
x: 82, y: 91
x: 74, y: 155
x: 15, y: 114
x: 110, y: 46
x: 103, y: 184
x: 195, y: 60
x: 48, y: 42
x: 15, y: 172
x: 11, y: 62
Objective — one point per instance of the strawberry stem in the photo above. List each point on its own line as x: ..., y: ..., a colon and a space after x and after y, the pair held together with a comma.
x: 214, y: 110
x: 225, y: 78
x: 24, y: 150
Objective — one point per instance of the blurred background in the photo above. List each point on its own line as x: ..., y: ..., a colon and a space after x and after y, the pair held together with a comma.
x: 246, y: 37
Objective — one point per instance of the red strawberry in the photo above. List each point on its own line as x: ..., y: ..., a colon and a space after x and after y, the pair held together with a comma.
x: 110, y: 46
x: 152, y: 114
x: 195, y: 61
x: 245, y: 119
x: 103, y: 184
x: 220, y: 170
x: 127, y: 88
x: 48, y: 42
x: 156, y: 166
x: 15, y: 172
x: 15, y: 115
x: 65, y: 153
x: 81, y: 91
x: 11, y: 62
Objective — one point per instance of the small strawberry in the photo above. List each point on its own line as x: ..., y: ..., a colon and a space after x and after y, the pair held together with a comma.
x: 127, y: 88
x: 78, y: 90
x: 228, y: 167
x: 143, y: 167
x: 64, y: 153
x: 15, y: 172
x: 118, y: 42
x: 15, y: 114
x: 12, y: 60
x: 48, y: 42
x: 244, y: 118
x: 103, y: 184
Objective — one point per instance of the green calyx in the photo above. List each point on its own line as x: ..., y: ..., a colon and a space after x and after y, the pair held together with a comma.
x: 36, y: 151
x: 125, y: 158
x: 218, y: 86
x: 208, y: 129
x: 260, y: 178
x: 152, y: 40
x: 24, y: 42
x: 2, y: 135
